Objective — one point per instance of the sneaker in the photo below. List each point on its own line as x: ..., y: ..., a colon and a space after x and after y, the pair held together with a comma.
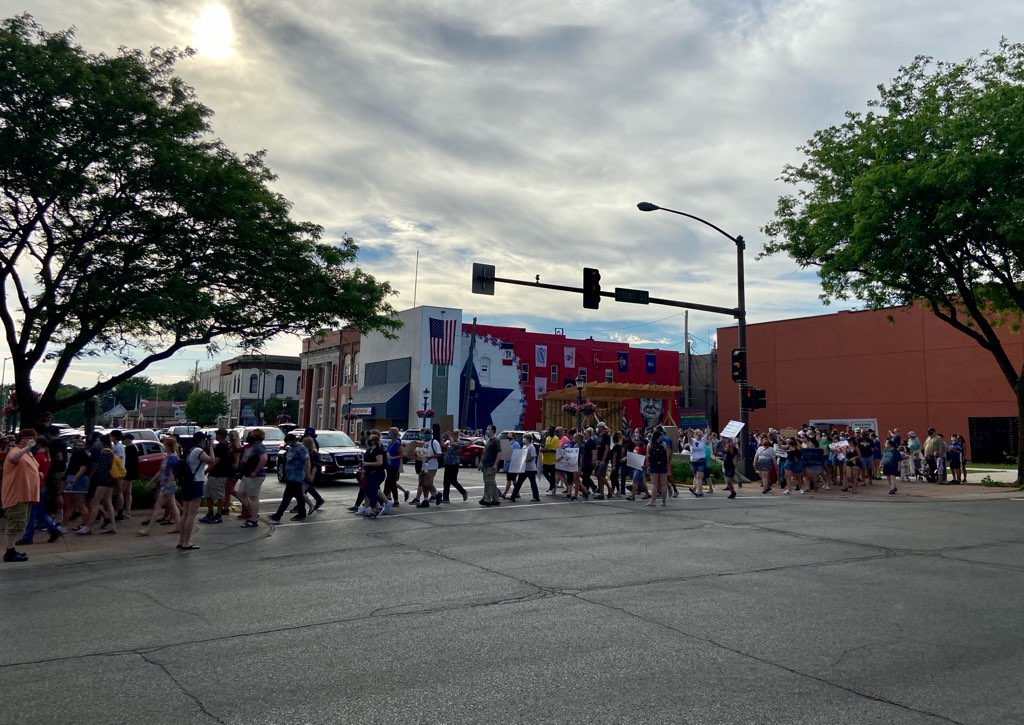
x: 406, y: 492
x: 206, y: 519
x: 645, y: 496
x: 786, y: 492
x: 298, y: 517
x: 250, y: 524
x: 535, y: 500
x: 652, y: 504
x: 363, y: 511
x: 353, y: 509
x: 218, y: 519
x: 675, y: 493
x: 54, y: 537
x: 631, y: 498
x: 802, y: 492
x: 423, y: 505
x: 15, y: 556
x: 892, y: 491
x: 711, y: 490
x: 317, y: 507
x: 732, y: 495
x: 83, y: 530
x: 275, y: 518
x: 693, y: 491
x: 550, y: 492
x: 388, y: 505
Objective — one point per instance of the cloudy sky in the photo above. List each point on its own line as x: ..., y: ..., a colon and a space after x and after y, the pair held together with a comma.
x: 524, y: 133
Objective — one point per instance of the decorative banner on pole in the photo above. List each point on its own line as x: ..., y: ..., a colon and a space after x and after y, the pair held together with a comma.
x: 570, y: 357
x: 508, y: 354
x: 732, y: 429
x: 567, y: 459
x: 651, y: 361
x: 541, y: 355
x: 540, y: 388
x: 623, y: 361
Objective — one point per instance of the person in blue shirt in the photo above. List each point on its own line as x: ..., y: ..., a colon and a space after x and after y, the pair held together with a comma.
x: 297, y: 471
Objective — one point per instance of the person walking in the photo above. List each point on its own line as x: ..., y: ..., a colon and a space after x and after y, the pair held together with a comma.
x: 166, y: 487
x: 529, y: 470
x: 451, y: 467
x: 103, y: 482
x: 374, y: 475
x: 253, y: 470
x: 489, y: 468
x: 657, y: 462
x: 547, y: 458
x: 216, y: 482
x: 297, y: 471
x: 764, y: 460
x: 199, y: 457
x: 393, y: 470
x: 891, y: 464
x: 729, y: 456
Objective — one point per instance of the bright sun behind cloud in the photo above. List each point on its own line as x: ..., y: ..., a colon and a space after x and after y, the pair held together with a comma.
x: 213, y: 33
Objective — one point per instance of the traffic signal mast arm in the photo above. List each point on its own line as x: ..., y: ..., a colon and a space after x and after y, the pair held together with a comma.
x: 731, y: 311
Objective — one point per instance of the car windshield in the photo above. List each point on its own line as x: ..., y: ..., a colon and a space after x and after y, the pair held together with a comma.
x: 334, y: 439
x: 273, y: 434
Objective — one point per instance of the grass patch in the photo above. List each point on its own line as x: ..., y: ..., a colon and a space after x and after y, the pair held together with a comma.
x: 994, y: 466
x: 989, y: 483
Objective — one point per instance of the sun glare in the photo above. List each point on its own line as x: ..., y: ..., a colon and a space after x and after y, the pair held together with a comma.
x: 212, y: 32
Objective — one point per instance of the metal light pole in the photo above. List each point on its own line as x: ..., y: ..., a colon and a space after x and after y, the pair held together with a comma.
x: 579, y: 401
x: 741, y: 319
x: 426, y: 395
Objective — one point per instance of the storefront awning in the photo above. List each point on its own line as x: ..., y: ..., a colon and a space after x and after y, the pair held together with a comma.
x: 387, y: 400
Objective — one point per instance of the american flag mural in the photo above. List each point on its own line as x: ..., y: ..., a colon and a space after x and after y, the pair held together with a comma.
x: 442, y: 341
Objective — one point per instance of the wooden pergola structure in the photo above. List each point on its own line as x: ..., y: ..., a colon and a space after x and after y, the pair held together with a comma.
x: 608, y: 397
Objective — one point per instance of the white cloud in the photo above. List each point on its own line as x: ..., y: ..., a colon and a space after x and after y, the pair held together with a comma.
x: 523, y: 134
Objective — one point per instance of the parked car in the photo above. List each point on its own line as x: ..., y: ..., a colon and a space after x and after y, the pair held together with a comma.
x: 151, y: 457
x: 506, y: 445
x: 470, y: 451
x: 340, y: 456
x: 141, y: 434
x: 273, y: 440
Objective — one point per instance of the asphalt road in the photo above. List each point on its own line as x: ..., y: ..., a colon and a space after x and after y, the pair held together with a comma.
x: 757, y: 610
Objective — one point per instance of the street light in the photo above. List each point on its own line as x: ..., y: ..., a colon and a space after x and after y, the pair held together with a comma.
x: 741, y: 318
x: 426, y: 395
x: 579, y: 401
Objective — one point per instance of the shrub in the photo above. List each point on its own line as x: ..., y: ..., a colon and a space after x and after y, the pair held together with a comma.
x: 682, y: 471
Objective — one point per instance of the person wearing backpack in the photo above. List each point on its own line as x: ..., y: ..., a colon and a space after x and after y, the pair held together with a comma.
x: 199, y: 457
x: 166, y: 485
x: 102, y: 502
x: 657, y: 464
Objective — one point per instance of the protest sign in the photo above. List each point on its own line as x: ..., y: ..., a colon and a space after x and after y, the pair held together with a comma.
x: 732, y: 429
x: 517, y: 464
x: 567, y: 459
x: 634, y: 460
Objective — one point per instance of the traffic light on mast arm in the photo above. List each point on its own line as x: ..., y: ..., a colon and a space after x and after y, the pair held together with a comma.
x: 591, y: 288
x: 739, y: 365
x: 753, y: 398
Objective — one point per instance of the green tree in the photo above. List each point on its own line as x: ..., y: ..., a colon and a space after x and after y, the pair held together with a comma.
x: 128, y: 230
x: 134, y: 389
x: 205, y: 407
x: 73, y: 415
x: 921, y: 200
x: 274, y: 408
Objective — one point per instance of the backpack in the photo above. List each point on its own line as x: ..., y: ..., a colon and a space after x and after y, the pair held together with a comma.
x: 184, y: 474
x: 117, y: 467
x: 657, y: 454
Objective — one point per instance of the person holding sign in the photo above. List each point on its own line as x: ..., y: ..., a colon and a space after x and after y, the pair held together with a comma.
x: 658, y: 457
x: 729, y: 456
x: 510, y: 475
x: 764, y: 460
x: 529, y: 470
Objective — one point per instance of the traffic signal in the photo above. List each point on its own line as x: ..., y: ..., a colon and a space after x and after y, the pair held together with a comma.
x: 591, y: 288
x: 753, y: 398
x: 739, y: 365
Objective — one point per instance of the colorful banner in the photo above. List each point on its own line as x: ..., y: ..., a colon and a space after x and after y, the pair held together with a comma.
x: 651, y: 361
x: 508, y: 354
x: 570, y: 357
x: 623, y: 362
x: 541, y: 355
x: 540, y: 388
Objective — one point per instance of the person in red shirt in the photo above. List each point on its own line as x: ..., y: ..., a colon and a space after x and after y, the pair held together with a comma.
x: 39, y: 515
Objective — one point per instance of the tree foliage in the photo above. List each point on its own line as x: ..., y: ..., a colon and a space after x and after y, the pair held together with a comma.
x: 921, y: 198
x: 206, y: 407
x: 128, y: 230
x: 130, y: 391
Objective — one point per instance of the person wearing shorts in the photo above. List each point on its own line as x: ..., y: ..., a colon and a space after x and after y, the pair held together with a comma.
x: 658, y: 456
x: 217, y: 481
x: 166, y: 487
x: 76, y: 483
x: 20, y: 492
x: 198, y: 458
x: 253, y: 474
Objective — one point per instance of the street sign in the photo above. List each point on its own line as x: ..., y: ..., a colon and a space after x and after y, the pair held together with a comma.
x: 636, y: 296
x: 483, y: 279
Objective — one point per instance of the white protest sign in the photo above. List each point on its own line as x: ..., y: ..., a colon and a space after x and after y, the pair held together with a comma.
x: 634, y: 460
x: 732, y: 429
x: 567, y: 459
x: 518, y: 462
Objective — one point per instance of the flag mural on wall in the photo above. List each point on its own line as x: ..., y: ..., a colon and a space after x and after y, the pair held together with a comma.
x: 540, y: 388
x: 442, y: 341
x: 623, y: 361
x: 508, y: 354
x: 570, y: 357
x: 650, y: 358
x: 541, y: 356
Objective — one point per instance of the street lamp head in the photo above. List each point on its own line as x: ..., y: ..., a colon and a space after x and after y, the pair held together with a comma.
x: 647, y: 206
x: 426, y: 392
x: 579, y: 383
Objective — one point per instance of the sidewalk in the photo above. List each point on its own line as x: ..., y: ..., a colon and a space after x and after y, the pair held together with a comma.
x: 126, y: 543
x: 919, y: 490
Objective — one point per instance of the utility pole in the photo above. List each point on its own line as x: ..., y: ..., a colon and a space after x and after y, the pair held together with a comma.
x: 687, y: 399
x: 467, y: 373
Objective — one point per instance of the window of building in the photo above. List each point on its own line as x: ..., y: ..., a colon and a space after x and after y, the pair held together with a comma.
x: 582, y: 374
x: 524, y: 373
x: 485, y: 372
x: 254, y: 383
x: 279, y: 385
x: 440, y: 371
x: 355, y: 369
x: 334, y: 376
x: 298, y: 387
x: 346, y: 371
x: 554, y: 373
x: 609, y: 375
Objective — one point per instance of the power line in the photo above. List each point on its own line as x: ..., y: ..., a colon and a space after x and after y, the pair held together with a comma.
x: 628, y: 327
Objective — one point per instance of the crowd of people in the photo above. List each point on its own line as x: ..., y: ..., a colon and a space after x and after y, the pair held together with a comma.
x: 85, y: 488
